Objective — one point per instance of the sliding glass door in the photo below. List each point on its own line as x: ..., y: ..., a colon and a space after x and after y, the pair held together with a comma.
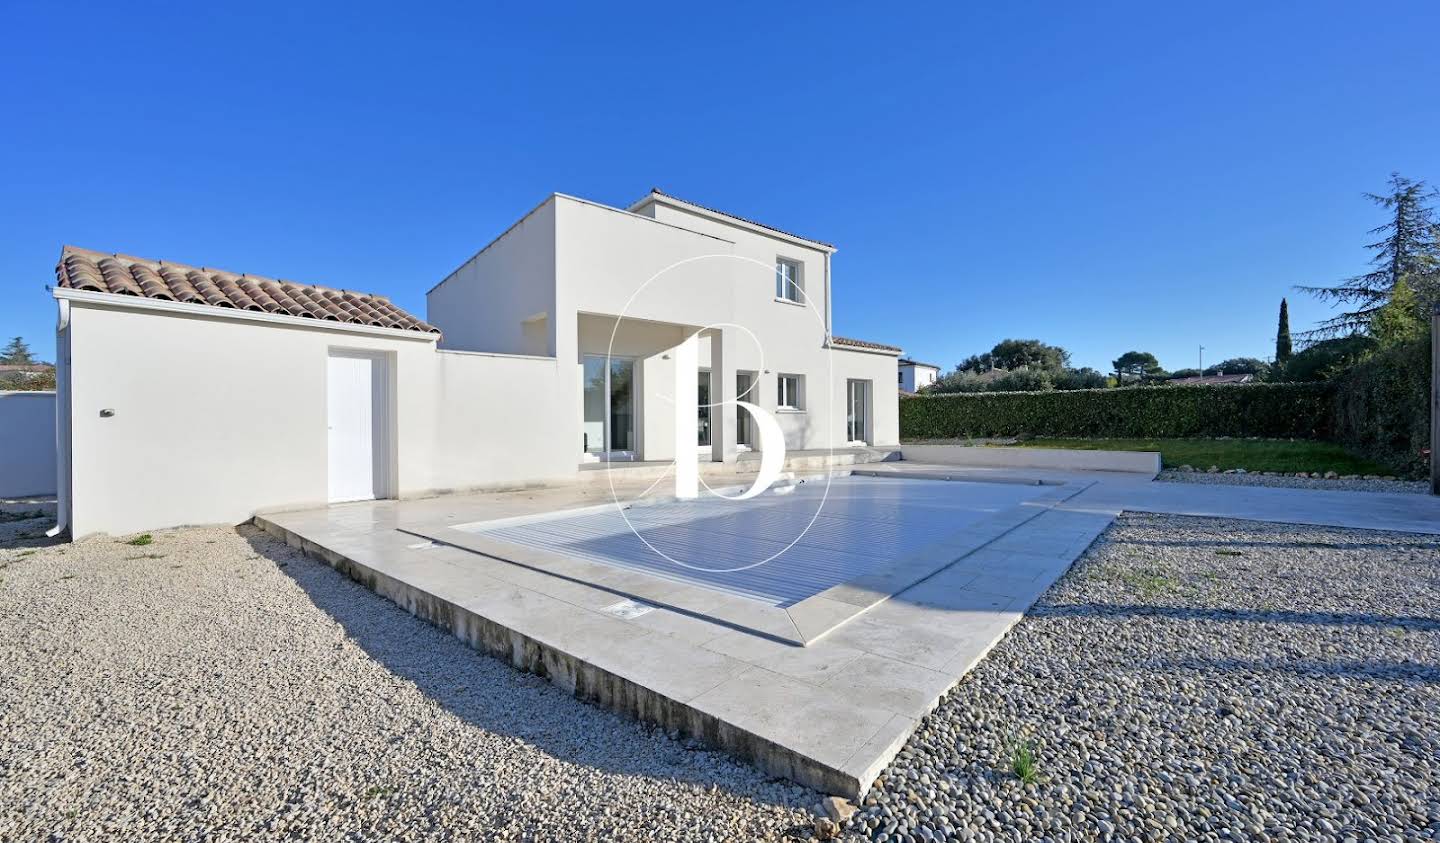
x: 745, y: 391
x: 857, y: 411
x: 705, y: 409
x: 609, y: 420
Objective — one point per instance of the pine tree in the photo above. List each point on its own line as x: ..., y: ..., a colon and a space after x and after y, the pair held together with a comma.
x: 17, y: 353
x: 1408, y: 248
x: 1282, y: 335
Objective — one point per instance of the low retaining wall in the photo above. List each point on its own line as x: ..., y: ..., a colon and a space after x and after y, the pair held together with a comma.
x: 1057, y: 459
x: 27, y: 444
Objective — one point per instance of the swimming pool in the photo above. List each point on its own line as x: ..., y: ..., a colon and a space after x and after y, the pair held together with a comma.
x: 779, y: 548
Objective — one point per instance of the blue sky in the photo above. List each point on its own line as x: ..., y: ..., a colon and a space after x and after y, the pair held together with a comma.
x: 1102, y: 176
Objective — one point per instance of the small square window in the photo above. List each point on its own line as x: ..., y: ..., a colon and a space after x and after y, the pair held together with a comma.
x: 789, y: 283
x: 789, y: 395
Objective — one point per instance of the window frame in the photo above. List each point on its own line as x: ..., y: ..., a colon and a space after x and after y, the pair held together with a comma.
x: 796, y: 283
x: 795, y: 396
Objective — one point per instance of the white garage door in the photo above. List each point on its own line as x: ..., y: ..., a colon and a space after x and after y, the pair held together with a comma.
x: 357, y: 420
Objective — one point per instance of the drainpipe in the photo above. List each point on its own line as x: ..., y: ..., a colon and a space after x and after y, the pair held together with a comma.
x: 62, y: 421
x: 829, y: 332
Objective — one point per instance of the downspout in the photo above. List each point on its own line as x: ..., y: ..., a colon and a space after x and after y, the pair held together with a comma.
x: 62, y: 421
x: 829, y: 331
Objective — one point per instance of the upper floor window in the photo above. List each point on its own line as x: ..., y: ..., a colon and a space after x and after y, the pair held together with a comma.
x: 789, y: 283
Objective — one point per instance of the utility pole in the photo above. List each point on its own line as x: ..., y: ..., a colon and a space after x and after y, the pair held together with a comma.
x: 1202, y: 361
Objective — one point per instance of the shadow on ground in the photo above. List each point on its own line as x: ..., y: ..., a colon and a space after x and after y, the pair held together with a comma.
x: 492, y: 695
x: 1412, y: 623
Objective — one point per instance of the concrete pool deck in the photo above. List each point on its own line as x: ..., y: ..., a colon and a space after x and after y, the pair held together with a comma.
x: 829, y: 714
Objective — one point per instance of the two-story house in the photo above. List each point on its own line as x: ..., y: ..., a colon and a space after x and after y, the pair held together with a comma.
x: 583, y: 333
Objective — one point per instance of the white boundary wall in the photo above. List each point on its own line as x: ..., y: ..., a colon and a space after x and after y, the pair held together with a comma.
x: 212, y: 418
x: 27, y: 444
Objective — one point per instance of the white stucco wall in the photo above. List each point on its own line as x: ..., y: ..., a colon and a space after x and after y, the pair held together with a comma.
x: 216, y: 418
x: 492, y: 301
x: 676, y: 272
x: 27, y: 444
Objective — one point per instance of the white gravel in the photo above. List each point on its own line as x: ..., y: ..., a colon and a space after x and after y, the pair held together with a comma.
x: 1279, y: 481
x: 1196, y: 679
x: 217, y: 685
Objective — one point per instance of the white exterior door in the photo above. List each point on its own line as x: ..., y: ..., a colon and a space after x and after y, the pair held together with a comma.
x: 357, y: 421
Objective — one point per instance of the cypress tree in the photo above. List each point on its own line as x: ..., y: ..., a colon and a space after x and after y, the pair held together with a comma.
x: 1282, y: 335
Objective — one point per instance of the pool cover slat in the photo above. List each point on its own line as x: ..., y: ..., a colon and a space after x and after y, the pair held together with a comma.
x: 863, y: 525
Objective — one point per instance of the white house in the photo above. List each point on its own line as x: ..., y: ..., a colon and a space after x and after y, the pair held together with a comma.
x: 190, y: 395
x: 914, y: 375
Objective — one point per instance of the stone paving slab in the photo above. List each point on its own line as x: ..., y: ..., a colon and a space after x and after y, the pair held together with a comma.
x: 829, y: 714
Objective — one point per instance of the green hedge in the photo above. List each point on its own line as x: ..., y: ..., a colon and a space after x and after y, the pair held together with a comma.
x: 1382, y: 406
x: 1271, y: 410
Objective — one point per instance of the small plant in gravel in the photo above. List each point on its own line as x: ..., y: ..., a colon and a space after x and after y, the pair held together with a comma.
x: 1150, y: 582
x: 142, y: 540
x: 1228, y: 553
x: 1023, y: 763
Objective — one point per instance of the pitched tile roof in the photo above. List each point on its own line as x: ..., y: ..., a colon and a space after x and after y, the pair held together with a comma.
x: 83, y: 269
x: 873, y: 346
x: 655, y: 191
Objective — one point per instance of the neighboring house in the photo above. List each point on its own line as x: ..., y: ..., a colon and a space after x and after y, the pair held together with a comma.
x: 191, y: 395
x: 915, y: 376
x: 1211, y: 379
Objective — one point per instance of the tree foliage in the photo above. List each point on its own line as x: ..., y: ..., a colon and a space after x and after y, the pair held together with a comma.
x: 1012, y: 354
x: 1240, y: 366
x: 17, y: 352
x: 1139, y: 365
x: 1082, y: 378
x: 1407, y: 249
x: 1325, y: 359
x: 1398, y: 320
x: 1382, y: 405
x: 1283, y: 347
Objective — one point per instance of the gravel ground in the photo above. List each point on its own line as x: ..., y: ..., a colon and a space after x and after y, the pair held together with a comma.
x: 1196, y: 679
x: 215, y: 684
x: 1358, y: 484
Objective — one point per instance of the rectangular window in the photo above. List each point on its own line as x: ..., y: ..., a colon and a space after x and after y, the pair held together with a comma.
x: 789, y: 395
x: 788, y: 281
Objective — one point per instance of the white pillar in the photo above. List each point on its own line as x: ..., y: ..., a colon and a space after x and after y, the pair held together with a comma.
x: 687, y: 416
x: 723, y: 425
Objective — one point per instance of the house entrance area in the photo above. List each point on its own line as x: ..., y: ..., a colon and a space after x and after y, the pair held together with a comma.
x: 609, y: 429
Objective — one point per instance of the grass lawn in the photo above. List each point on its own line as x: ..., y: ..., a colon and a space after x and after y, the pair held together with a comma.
x: 1251, y: 455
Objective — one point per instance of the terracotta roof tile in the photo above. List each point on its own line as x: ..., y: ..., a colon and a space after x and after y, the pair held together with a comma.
x: 100, y: 272
x: 874, y: 346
